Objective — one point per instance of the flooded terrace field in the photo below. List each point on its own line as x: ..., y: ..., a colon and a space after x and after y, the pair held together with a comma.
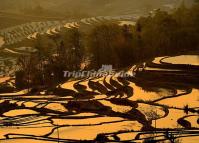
x: 108, y: 109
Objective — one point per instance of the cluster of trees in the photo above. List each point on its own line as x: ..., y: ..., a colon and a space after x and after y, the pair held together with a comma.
x: 111, y: 44
x: 45, y: 67
x: 166, y: 34
x: 158, y: 34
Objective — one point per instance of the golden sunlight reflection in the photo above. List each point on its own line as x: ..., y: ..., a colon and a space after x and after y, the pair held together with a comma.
x: 90, y: 132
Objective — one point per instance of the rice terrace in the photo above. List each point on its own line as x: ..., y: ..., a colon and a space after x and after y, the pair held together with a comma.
x: 99, y: 71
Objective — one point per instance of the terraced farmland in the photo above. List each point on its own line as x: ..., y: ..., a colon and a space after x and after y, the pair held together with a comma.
x: 108, y: 109
x: 157, y: 102
x: 16, y: 41
x: 13, y: 35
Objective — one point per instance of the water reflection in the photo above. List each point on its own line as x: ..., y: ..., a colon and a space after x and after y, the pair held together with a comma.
x: 183, y: 59
x: 108, y: 107
x: 127, y: 23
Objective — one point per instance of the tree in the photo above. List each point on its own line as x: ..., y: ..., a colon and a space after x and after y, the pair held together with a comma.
x: 105, y: 44
x: 157, y: 34
x: 69, y: 54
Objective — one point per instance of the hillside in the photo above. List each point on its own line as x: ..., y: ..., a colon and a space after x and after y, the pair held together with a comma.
x: 16, y: 12
x: 89, y: 6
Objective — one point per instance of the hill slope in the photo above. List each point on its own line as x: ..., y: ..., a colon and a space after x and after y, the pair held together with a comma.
x: 88, y: 6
